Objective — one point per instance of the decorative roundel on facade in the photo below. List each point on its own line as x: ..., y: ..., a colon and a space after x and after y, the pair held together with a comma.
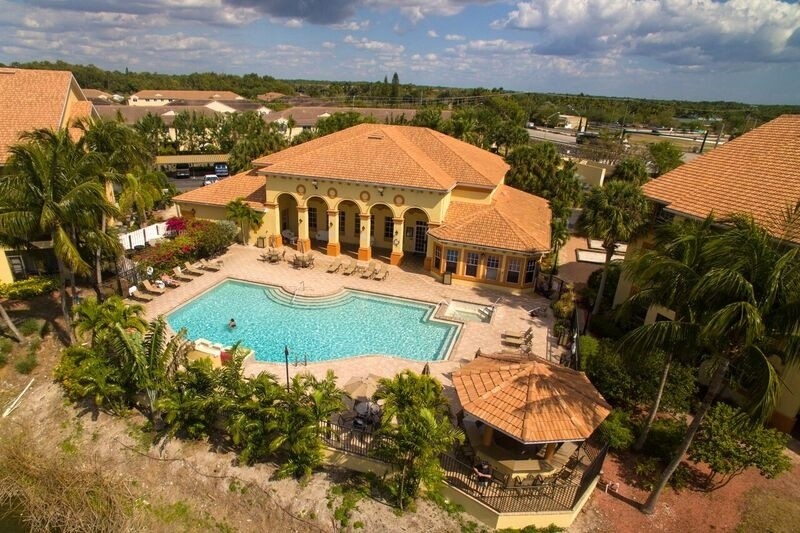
x: 332, y: 193
x: 301, y: 189
x: 399, y: 200
x: 364, y: 196
x: 396, y: 242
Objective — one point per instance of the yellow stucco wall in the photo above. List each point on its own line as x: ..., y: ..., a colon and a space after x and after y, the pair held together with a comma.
x: 465, y: 194
x: 5, y: 269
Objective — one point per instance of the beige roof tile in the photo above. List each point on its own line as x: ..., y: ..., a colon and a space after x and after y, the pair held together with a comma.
x: 247, y: 185
x: 31, y: 99
x: 530, y: 400
x: 756, y: 174
x: 515, y: 221
x: 186, y: 95
x: 402, y: 156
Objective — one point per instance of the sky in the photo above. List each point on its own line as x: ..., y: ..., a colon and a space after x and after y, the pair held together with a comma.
x: 740, y: 50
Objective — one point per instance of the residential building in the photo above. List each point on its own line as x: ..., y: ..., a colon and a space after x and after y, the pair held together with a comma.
x: 164, y: 97
x: 755, y: 174
x: 30, y: 100
x: 393, y: 191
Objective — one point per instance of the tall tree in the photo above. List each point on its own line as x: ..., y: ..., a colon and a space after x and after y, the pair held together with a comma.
x: 744, y: 304
x: 47, y: 188
x: 631, y: 169
x: 613, y: 213
x: 664, y: 156
x: 395, y: 91
x: 138, y: 196
x: 245, y: 216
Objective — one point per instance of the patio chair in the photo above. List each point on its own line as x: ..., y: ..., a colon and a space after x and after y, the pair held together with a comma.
x: 336, y: 265
x: 369, y: 271
x: 149, y: 287
x: 518, y: 334
x: 192, y: 269
x: 170, y: 281
x: 517, y: 343
x: 180, y: 275
x: 382, y: 273
x: 208, y: 265
x: 350, y: 268
x: 136, y: 294
x: 289, y: 236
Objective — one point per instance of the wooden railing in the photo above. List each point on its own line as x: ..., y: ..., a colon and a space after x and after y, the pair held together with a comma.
x: 554, y: 495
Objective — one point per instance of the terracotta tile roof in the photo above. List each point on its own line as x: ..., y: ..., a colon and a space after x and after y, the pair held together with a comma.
x: 403, y: 156
x: 31, y: 99
x: 530, y: 400
x: 186, y: 95
x: 247, y: 185
x: 78, y: 110
x: 96, y: 93
x: 756, y: 174
x: 515, y: 220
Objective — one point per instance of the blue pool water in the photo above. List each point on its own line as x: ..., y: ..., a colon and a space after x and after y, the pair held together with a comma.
x: 323, y: 329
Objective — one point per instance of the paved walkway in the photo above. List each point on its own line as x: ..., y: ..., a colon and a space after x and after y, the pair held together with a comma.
x: 241, y: 262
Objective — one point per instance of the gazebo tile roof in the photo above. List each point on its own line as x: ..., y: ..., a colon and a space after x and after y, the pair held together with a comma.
x: 530, y: 400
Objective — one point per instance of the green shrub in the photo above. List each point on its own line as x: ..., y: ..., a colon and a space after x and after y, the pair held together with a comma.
x: 605, y: 327
x: 617, y: 430
x: 26, y: 364
x: 3, y: 359
x: 6, y: 345
x: 664, y: 438
x: 606, y: 371
x: 588, y: 347
x: 28, y: 288
x: 647, y: 470
x: 216, y: 238
x: 30, y: 326
x: 565, y: 305
x: 593, y: 284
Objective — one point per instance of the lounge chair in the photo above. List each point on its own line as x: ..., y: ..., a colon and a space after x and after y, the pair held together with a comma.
x: 180, y: 275
x: 513, y: 342
x: 382, y: 273
x: 369, y: 271
x: 192, y: 269
x: 136, y: 294
x: 149, y: 287
x: 518, y: 334
x: 288, y: 235
x: 208, y: 265
x: 350, y: 268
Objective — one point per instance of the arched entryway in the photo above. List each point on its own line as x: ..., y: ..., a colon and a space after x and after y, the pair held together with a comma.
x: 382, y: 231
x: 318, y: 226
x: 414, y: 239
x: 288, y: 225
x: 348, y: 225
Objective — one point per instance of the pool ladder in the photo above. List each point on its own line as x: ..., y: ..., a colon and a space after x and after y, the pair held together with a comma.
x: 301, y: 285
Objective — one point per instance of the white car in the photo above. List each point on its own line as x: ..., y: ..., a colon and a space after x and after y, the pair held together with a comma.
x: 209, y: 179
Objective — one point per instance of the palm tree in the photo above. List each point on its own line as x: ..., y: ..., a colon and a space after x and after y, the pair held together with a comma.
x: 138, y: 195
x: 745, y: 310
x: 666, y: 274
x: 101, y: 318
x: 47, y: 189
x: 153, y: 131
x: 612, y: 213
x: 240, y: 211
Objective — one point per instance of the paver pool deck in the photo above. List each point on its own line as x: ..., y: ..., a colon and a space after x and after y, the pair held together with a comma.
x: 242, y: 262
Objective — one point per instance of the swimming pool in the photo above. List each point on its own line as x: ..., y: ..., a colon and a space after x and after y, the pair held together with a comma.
x: 346, y: 324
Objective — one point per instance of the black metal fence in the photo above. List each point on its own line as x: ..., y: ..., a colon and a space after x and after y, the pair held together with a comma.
x: 348, y: 439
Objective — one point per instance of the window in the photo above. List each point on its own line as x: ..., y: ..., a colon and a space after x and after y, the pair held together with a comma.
x: 388, y: 228
x: 472, y: 264
x: 437, y: 258
x: 452, y: 261
x: 530, y: 270
x: 342, y: 221
x: 372, y: 225
x: 357, y: 222
x: 312, y: 218
x: 492, y: 266
x: 512, y: 274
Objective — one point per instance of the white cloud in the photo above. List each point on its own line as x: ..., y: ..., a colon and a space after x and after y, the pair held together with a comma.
x: 328, y: 45
x: 353, y: 25
x: 293, y: 23
x: 432, y: 34
x: 681, y: 32
x: 376, y: 46
x: 497, y: 46
x: 454, y: 37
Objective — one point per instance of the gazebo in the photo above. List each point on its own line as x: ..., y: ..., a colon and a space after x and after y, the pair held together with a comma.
x: 526, y: 416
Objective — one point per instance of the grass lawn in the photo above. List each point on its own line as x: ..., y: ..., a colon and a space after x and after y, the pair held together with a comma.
x: 769, y: 510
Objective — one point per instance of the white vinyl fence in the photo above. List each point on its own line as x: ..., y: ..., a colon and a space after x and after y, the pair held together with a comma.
x: 140, y: 237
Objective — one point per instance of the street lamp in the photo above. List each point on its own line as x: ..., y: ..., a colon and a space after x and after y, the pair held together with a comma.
x: 286, y: 355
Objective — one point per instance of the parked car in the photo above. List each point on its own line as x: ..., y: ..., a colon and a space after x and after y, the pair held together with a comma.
x: 209, y: 179
x: 221, y: 170
x: 182, y: 171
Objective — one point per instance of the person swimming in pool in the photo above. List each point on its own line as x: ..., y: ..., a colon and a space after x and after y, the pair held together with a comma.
x: 232, y: 324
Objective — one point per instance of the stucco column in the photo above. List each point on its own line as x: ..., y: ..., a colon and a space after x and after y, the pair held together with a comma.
x: 364, y: 245
x: 549, y: 451
x: 273, y: 225
x: 303, y: 241
x: 397, y: 241
x: 334, y: 248
x: 488, y: 433
x: 429, y: 251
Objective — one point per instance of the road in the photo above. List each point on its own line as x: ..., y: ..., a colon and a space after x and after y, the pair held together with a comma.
x: 551, y: 135
x: 188, y: 184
